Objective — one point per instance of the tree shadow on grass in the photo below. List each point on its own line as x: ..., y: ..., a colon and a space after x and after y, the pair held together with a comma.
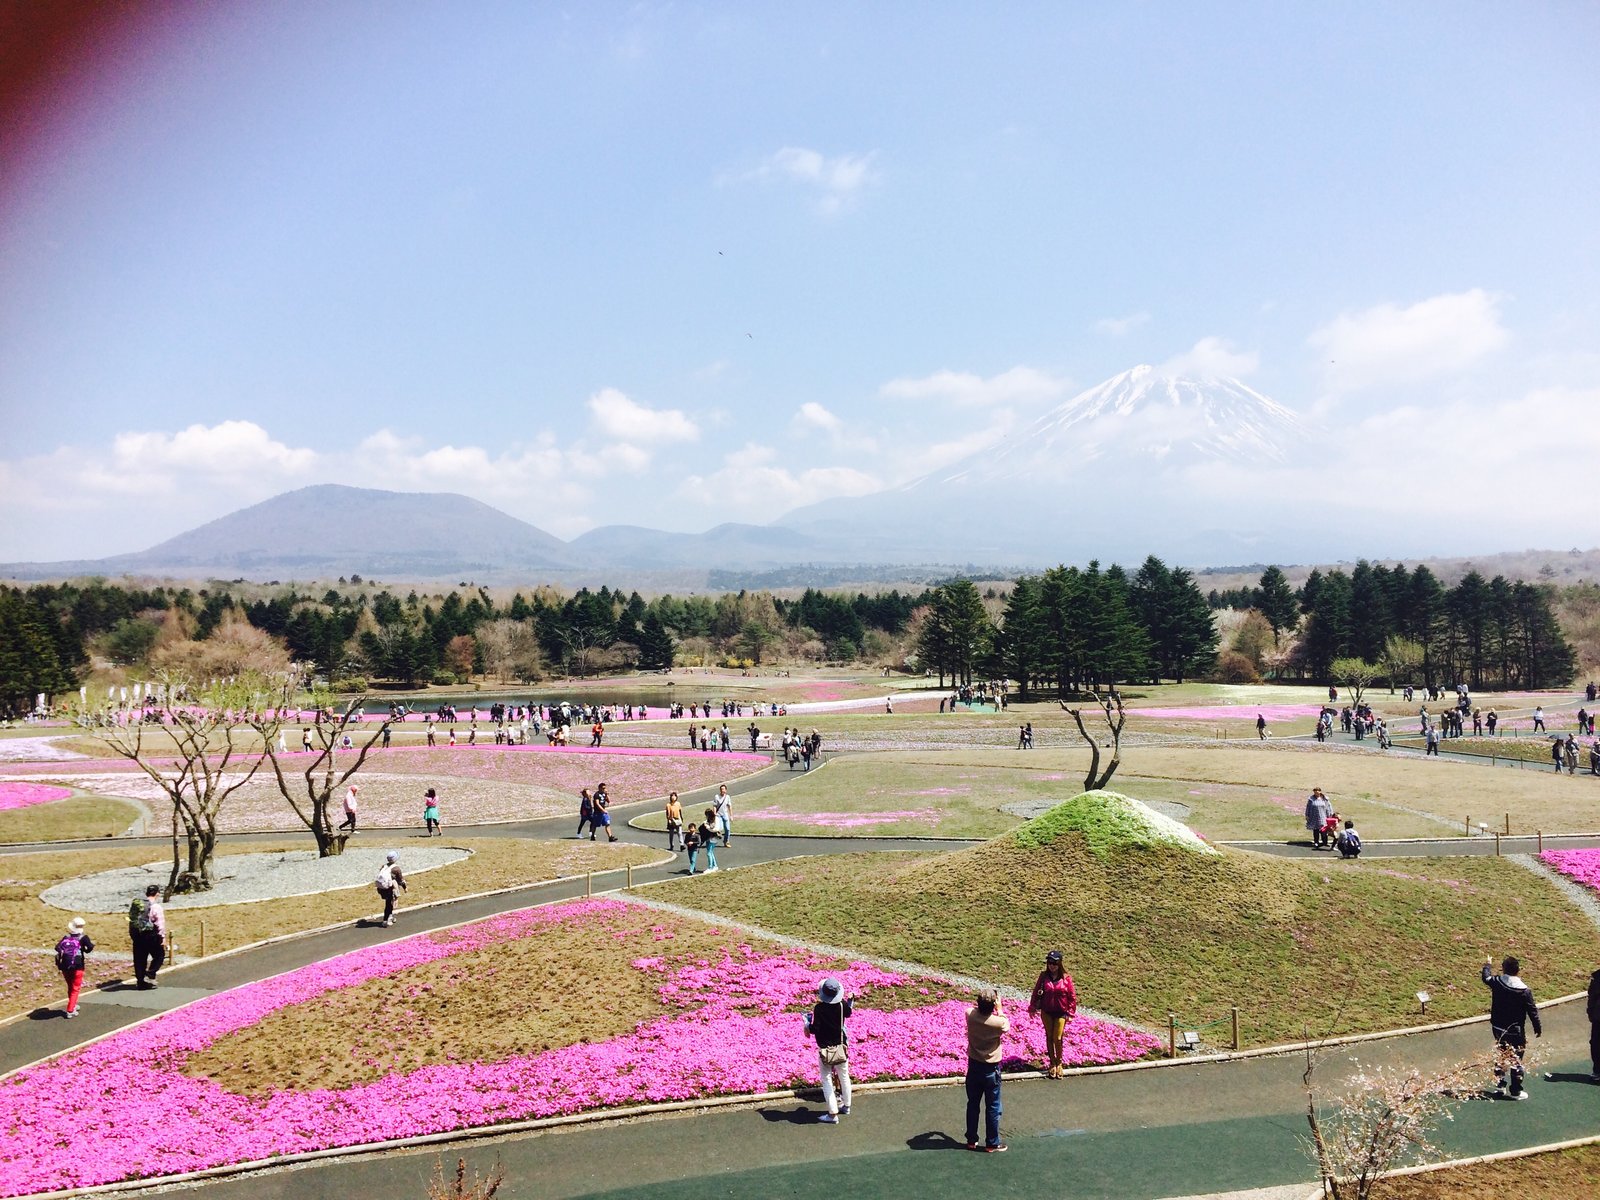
x: 934, y: 1140
x: 1571, y: 1077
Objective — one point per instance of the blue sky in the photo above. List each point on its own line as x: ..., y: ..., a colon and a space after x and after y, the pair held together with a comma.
x: 678, y: 264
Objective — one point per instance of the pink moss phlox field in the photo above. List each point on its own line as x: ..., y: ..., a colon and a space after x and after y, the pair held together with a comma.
x: 843, y: 820
x: 1582, y: 866
x: 730, y: 1026
x: 1229, y: 712
x: 24, y: 795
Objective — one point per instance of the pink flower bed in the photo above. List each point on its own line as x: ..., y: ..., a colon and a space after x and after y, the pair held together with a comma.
x: 25, y: 795
x: 843, y: 820
x: 1229, y: 712
x: 1582, y: 866
x: 730, y: 1026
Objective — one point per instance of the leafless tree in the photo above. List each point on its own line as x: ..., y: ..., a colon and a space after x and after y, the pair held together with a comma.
x: 310, y: 792
x: 198, y: 744
x: 1110, y: 710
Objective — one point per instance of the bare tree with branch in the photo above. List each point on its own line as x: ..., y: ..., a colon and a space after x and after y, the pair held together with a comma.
x: 199, y: 745
x: 310, y: 792
x: 1111, y: 710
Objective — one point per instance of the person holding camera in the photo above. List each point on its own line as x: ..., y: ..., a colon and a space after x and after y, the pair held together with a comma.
x: 1511, y: 1011
x: 825, y: 1023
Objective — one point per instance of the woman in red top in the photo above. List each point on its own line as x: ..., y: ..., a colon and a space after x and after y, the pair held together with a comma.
x: 1056, y: 1003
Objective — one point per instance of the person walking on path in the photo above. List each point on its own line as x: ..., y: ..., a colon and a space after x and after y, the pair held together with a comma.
x: 1432, y: 736
x: 390, y: 877
x: 349, y: 821
x: 1055, y: 1002
x: 825, y: 1023
x: 691, y: 843
x: 585, y: 814
x: 1317, y: 810
x: 71, y: 960
x: 708, y: 839
x: 986, y: 1025
x: 147, y: 930
x: 1511, y: 1011
x: 430, y: 812
x: 1261, y: 727
x: 724, y: 810
x: 1538, y: 718
x: 1556, y: 753
x: 1594, y: 1027
x: 602, y: 814
x: 674, y: 821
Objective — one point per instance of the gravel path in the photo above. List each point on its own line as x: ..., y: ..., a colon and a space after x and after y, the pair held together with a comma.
x: 243, y: 878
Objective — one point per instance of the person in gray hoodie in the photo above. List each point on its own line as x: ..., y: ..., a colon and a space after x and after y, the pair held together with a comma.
x: 1317, y: 809
x: 1511, y: 1011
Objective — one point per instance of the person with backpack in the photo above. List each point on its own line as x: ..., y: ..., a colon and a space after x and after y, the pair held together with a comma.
x: 1511, y: 1011
x: 825, y: 1023
x: 72, y: 953
x: 1349, y: 841
x: 390, y: 877
x: 147, y: 930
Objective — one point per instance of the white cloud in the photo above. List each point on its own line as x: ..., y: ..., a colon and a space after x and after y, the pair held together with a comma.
x: 1389, y: 344
x: 1019, y: 385
x: 812, y: 415
x: 838, y: 181
x: 223, y: 449
x: 753, y: 471
x: 1120, y: 326
x: 625, y: 420
x: 1213, y: 356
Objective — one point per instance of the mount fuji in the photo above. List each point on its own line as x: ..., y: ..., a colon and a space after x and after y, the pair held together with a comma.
x: 1149, y: 461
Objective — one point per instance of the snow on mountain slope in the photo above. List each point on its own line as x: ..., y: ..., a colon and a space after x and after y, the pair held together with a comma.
x: 1143, y: 418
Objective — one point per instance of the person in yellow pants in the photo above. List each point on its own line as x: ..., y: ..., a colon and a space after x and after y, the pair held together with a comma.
x: 1056, y: 1002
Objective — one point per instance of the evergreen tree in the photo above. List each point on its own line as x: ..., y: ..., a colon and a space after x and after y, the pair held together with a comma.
x: 655, y: 645
x: 1277, y: 603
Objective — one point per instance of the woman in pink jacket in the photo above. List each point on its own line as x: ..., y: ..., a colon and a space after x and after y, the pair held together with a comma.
x: 1056, y: 1003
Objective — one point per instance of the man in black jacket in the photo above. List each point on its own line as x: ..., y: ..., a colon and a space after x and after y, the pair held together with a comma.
x: 1594, y: 1026
x: 1511, y: 1010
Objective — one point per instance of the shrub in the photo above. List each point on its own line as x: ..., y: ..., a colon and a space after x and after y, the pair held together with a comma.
x: 1110, y: 821
x: 1233, y: 667
x: 350, y: 683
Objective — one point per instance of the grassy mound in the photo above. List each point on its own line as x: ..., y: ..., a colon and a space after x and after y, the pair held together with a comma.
x: 1109, y: 822
x: 1341, y: 947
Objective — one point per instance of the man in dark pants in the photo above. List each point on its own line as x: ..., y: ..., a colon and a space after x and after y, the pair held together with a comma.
x: 1511, y: 1011
x: 986, y: 1025
x: 1594, y: 1027
x: 147, y: 930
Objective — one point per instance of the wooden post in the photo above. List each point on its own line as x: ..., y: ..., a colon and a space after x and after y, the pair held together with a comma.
x: 1469, y: 824
x: 1172, y: 1035
x: 588, y: 883
x: 1541, y: 840
x: 1508, y: 824
x: 1497, y: 843
x: 1235, y: 1026
x: 630, y: 874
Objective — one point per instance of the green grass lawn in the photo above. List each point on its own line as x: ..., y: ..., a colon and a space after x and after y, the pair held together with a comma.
x: 1339, y: 947
x: 961, y: 794
x: 65, y: 820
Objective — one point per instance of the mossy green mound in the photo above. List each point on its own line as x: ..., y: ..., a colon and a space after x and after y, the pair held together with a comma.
x: 1108, y: 822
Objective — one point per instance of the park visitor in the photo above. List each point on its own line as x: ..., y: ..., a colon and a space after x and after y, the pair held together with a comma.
x: 1318, y: 809
x: 430, y: 812
x: 674, y: 821
x: 1593, y: 1008
x: 71, y: 961
x: 986, y: 1025
x: 724, y: 811
x: 691, y: 843
x: 708, y: 839
x: 390, y: 877
x: 349, y: 821
x: 147, y: 930
x: 1349, y: 843
x: 602, y: 814
x: 825, y: 1023
x: 585, y: 813
x: 1511, y: 1010
x: 1538, y: 718
x: 1055, y: 1003
x: 1261, y: 727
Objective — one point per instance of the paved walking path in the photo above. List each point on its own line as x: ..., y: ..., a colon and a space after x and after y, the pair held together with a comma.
x: 1135, y: 1135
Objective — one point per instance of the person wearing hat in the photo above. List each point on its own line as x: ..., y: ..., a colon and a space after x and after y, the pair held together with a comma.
x: 390, y: 877
x: 825, y: 1023
x: 147, y: 930
x: 71, y: 959
x: 1056, y: 1002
